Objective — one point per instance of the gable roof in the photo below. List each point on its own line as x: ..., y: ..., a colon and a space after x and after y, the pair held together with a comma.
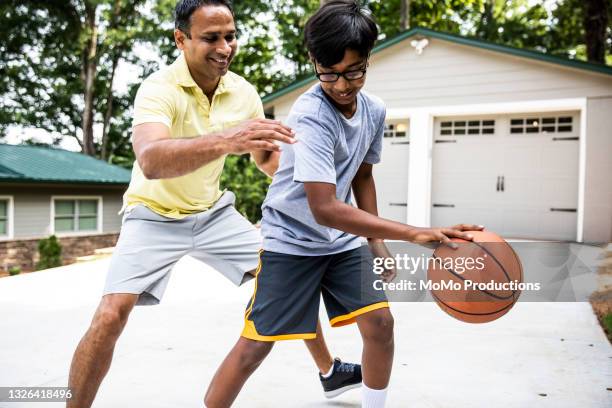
x: 23, y: 163
x: 457, y: 39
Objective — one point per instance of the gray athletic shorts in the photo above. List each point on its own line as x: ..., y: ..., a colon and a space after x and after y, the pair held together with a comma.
x: 150, y: 245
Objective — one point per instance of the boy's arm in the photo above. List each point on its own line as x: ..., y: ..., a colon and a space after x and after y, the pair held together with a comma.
x: 266, y: 161
x: 331, y: 212
x: 364, y: 190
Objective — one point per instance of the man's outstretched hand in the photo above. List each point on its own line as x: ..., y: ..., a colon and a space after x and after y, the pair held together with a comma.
x: 257, y: 134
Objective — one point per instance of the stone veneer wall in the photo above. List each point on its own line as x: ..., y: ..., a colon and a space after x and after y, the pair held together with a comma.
x: 24, y: 253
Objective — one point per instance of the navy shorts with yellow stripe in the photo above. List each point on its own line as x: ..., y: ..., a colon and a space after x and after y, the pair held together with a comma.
x: 285, y: 302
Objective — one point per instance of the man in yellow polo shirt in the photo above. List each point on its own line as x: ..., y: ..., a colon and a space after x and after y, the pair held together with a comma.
x: 187, y: 119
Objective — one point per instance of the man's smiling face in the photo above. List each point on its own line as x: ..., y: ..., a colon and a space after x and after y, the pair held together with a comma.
x: 212, y: 46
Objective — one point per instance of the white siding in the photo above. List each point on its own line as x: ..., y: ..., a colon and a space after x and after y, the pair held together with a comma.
x: 598, y: 187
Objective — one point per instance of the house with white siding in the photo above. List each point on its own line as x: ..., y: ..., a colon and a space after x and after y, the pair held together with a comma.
x: 46, y: 191
x: 476, y: 132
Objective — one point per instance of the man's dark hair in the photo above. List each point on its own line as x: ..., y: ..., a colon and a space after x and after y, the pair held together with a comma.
x: 337, y: 26
x: 185, y: 8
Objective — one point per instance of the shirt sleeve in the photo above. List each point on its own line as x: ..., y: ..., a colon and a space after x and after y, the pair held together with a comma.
x: 256, y: 106
x: 375, y: 150
x: 314, y: 150
x: 154, y: 103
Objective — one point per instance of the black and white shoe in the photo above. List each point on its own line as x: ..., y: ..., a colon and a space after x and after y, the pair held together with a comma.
x: 344, y: 377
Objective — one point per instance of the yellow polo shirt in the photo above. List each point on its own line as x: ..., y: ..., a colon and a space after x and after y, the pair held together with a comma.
x: 171, y: 97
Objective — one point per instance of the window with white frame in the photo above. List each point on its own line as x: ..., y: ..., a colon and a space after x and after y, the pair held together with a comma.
x: 551, y: 124
x: 467, y: 127
x: 5, y: 217
x: 396, y: 130
x: 76, y: 214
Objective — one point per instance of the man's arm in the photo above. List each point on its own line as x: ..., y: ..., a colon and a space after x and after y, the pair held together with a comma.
x: 160, y: 156
x: 333, y: 213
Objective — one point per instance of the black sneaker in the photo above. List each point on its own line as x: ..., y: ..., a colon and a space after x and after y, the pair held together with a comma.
x: 345, y: 376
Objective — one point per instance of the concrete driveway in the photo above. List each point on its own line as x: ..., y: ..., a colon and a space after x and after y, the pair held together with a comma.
x: 538, y: 355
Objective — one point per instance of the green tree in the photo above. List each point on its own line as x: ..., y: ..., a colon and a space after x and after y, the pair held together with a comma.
x: 249, y: 184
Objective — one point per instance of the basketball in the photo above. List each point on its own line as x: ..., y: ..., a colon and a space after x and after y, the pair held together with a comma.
x: 479, y: 281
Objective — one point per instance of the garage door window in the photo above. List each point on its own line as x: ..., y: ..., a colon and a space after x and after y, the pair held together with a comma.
x: 468, y: 127
x: 396, y: 130
x: 559, y: 124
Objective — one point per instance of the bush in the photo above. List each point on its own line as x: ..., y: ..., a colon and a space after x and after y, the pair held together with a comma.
x: 250, y: 185
x: 14, y: 270
x: 50, y: 252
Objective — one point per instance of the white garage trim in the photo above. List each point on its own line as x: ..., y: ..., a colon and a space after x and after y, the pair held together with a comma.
x: 421, y: 147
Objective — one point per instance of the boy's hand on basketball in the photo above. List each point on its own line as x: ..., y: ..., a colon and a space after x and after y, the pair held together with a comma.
x: 435, y: 236
x: 257, y: 134
x: 380, y: 250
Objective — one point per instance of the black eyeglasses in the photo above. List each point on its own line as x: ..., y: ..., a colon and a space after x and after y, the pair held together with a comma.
x: 334, y: 76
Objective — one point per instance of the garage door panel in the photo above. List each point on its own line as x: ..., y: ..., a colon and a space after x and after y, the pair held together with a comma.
x: 518, y: 190
x: 561, y: 158
x: 560, y: 191
x: 480, y: 215
x: 517, y: 221
x: 515, y: 158
x: 463, y: 157
x: 391, y: 178
x: 558, y: 225
x: 393, y: 213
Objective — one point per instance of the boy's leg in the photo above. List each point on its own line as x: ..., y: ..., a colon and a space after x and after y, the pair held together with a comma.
x: 319, y: 351
x: 237, y: 367
x: 376, y: 329
x: 350, y: 297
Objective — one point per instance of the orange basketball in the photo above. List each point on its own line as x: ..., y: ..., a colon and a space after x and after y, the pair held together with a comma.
x: 479, y: 291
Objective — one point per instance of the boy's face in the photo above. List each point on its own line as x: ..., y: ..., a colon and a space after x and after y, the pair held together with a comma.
x: 344, y: 92
x: 213, y: 43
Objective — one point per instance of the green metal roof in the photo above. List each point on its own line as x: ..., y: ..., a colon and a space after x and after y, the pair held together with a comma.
x: 540, y: 56
x: 23, y: 163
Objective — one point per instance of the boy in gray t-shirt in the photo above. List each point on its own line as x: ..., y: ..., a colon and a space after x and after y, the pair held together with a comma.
x: 311, y: 246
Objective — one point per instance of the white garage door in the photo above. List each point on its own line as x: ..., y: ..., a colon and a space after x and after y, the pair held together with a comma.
x: 391, y: 174
x: 515, y: 174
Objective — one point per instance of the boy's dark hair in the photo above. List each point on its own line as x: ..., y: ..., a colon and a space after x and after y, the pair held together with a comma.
x: 185, y: 8
x: 337, y: 26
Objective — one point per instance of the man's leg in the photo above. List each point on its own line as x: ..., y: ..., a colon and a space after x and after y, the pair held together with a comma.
x: 237, y: 367
x: 94, y: 353
x: 376, y: 329
x: 319, y: 351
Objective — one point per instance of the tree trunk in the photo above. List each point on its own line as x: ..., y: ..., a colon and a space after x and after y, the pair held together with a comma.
x: 89, y: 71
x: 595, y: 24
x: 109, y: 110
x: 405, y: 15
x: 116, y: 52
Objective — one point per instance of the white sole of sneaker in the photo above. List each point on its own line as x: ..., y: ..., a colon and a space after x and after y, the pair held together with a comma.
x: 335, y: 393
